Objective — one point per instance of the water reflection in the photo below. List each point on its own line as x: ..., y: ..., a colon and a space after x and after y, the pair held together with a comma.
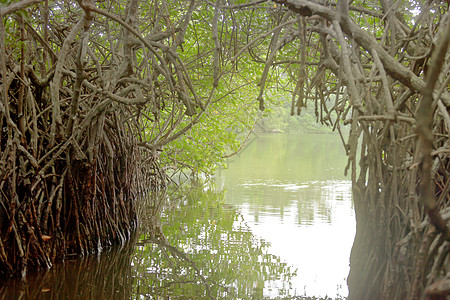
x: 281, y: 228
x: 207, y: 251
x: 106, y: 276
x: 292, y: 192
x: 201, y: 248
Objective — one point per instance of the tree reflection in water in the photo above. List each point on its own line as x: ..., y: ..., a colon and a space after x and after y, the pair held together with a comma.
x: 202, y: 250
x: 106, y: 276
x: 205, y: 250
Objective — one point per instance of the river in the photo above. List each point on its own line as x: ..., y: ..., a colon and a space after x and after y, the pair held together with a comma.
x: 292, y: 192
x: 278, y: 223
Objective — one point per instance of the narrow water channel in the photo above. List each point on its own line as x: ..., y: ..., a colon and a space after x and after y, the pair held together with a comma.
x: 292, y: 192
x: 277, y: 224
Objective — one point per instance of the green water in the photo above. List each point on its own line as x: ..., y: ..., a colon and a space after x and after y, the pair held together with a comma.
x: 292, y: 192
x: 277, y: 224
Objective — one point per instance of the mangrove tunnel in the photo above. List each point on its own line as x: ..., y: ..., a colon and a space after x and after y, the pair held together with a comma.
x: 101, y: 99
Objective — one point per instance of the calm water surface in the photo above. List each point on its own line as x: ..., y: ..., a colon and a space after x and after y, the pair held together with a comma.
x: 278, y: 224
x: 291, y: 191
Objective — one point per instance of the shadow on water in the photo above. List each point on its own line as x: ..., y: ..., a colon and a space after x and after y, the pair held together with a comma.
x: 106, y: 276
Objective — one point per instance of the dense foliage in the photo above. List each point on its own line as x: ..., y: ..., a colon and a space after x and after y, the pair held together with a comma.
x: 100, y: 100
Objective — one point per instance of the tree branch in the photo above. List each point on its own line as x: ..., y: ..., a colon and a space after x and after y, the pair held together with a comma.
x: 394, y: 68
